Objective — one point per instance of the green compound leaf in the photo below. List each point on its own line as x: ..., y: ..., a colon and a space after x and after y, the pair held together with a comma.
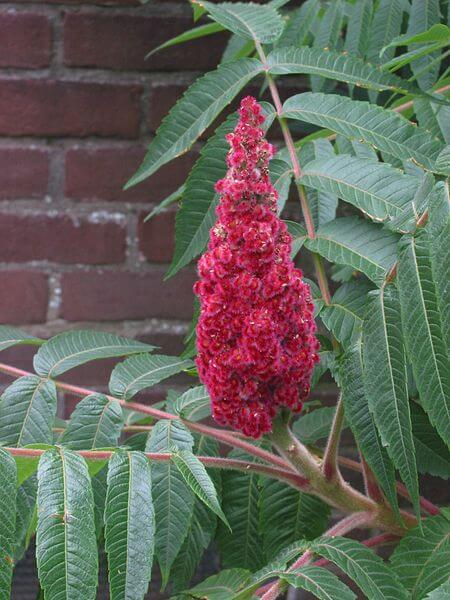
x: 287, y: 515
x: 386, y: 384
x: 320, y: 582
x: 202, y: 526
x: 375, y: 579
x: 96, y: 422
x: 249, y: 20
x: 240, y: 497
x: 8, y: 484
x: 345, y: 314
x: 217, y: 587
x: 197, y: 478
x: 362, y: 422
x: 172, y: 498
x: 357, y: 36
x: 358, y: 244
x: 66, y: 545
x: 26, y: 507
x: 70, y: 349
x: 194, y: 112
x: 27, y: 412
x: 423, y: 331
x: 129, y: 525
x: 143, y: 371
x: 384, y: 129
x: 432, y: 455
x: 377, y: 189
x: 440, y: 593
x: 424, y: 15
x: 11, y: 336
x: 336, y: 66
x: 422, y: 558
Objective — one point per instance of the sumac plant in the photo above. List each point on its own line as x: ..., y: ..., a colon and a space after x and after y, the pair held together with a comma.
x: 262, y: 481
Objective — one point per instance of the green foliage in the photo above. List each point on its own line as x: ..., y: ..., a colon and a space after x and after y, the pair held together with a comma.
x: 371, y: 178
x: 129, y: 525
x: 66, y: 548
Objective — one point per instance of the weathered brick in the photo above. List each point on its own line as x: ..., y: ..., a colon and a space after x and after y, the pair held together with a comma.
x: 156, y: 237
x: 23, y: 297
x: 121, y: 41
x: 99, y: 173
x: 69, y: 239
x: 49, y: 107
x: 25, y: 40
x: 117, y: 295
x: 23, y: 172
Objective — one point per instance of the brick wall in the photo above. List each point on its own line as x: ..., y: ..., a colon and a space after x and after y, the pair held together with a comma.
x: 78, y: 106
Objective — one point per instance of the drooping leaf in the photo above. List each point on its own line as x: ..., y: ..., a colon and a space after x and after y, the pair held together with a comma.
x: 172, y: 498
x: 432, y: 455
x: 405, y: 221
x: 314, y: 425
x: 99, y: 488
x: 26, y: 506
x: 202, y: 526
x: 27, y: 412
x: 11, y: 336
x: 386, y: 24
x: 384, y: 129
x: 439, y: 228
x: 298, y: 29
x: 73, y: 348
x: 358, y: 244
x: 434, y: 117
x: 143, y: 371
x: 344, y: 315
x: 422, y: 16
x: 159, y: 208
x: 194, y: 112
x: 194, y: 405
x: 376, y: 188
x: 240, y: 496
x: 66, y: 546
x: 281, y: 177
x: 129, y: 525
x: 327, y: 36
x: 334, y: 65
x: 8, y: 483
x: 217, y: 587
x: 197, y: 478
x: 320, y: 582
x: 249, y: 20
x: 287, y: 515
x: 357, y: 36
x: 440, y: 593
x: 323, y: 204
x: 422, y: 330
x: 375, y: 579
x: 362, y: 423
x: 386, y: 383
x: 237, y: 47
x: 443, y: 161
x: 422, y: 558
x: 96, y: 422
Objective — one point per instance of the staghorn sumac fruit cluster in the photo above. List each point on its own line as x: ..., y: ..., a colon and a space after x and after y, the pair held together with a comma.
x: 255, y: 335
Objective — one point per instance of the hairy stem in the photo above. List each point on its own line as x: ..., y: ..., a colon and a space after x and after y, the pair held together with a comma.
x: 224, y: 436
x: 330, y: 463
x: 209, y: 461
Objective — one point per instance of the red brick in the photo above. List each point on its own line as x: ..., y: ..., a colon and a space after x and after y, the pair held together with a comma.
x: 121, y: 41
x: 23, y: 297
x: 23, y: 172
x: 48, y: 107
x: 61, y: 238
x: 117, y: 295
x: 161, y: 98
x: 99, y: 173
x: 156, y: 237
x: 25, y: 40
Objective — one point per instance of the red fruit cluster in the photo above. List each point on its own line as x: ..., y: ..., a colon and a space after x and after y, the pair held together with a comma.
x: 255, y: 335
